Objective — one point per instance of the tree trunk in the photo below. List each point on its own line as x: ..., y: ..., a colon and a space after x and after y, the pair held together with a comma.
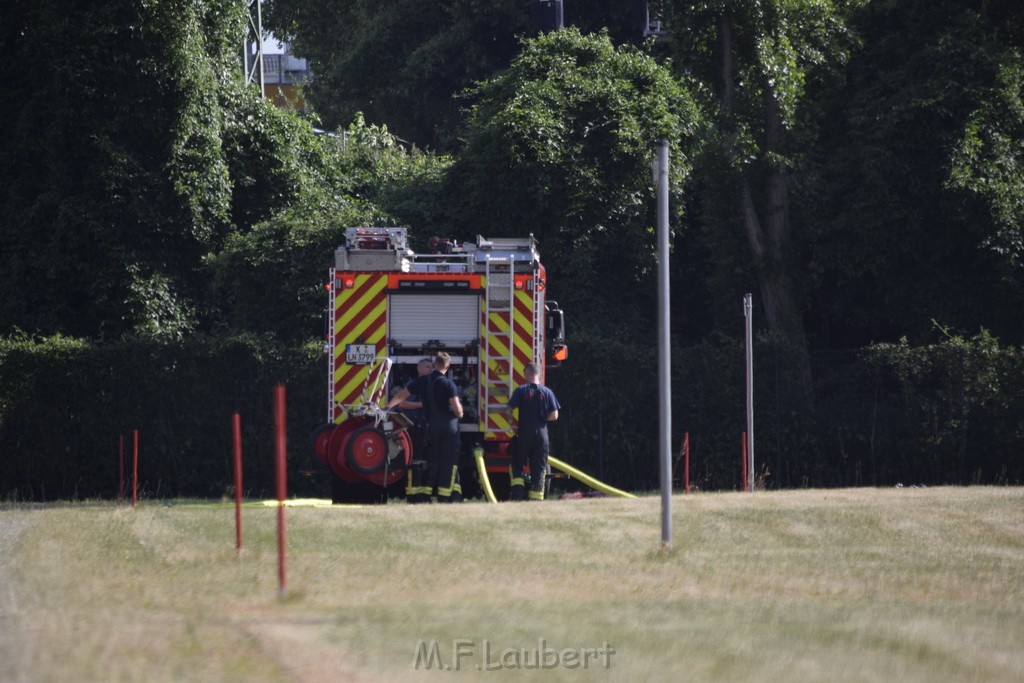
x: 769, y: 238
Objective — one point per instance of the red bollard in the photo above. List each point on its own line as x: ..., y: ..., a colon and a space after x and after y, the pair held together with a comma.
x: 743, y: 462
x: 135, y: 467
x: 686, y: 462
x: 281, y: 449
x: 237, y: 434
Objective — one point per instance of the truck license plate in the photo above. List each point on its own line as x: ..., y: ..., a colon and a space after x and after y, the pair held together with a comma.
x: 360, y: 354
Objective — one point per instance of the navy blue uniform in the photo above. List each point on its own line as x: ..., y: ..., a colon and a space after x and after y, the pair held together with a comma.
x: 442, y: 458
x: 418, y: 434
x: 535, y: 403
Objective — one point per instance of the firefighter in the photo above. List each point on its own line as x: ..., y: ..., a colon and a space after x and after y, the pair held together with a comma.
x: 537, y: 406
x: 440, y: 398
x: 413, y: 408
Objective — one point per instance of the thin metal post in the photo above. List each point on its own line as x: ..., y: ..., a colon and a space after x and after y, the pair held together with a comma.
x: 135, y: 466
x: 748, y: 313
x: 120, y: 480
x: 744, y: 481
x: 236, y: 436
x: 280, y: 457
x: 600, y: 427
x: 664, y: 348
x: 252, y: 52
x: 686, y: 462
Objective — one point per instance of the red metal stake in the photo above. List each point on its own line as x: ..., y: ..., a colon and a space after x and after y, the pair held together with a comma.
x: 281, y: 449
x: 135, y: 467
x: 686, y: 462
x: 237, y: 434
x: 120, y: 479
x: 743, y: 462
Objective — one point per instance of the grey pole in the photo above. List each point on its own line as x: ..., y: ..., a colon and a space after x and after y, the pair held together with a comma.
x: 664, y: 348
x: 252, y: 53
x: 748, y: 313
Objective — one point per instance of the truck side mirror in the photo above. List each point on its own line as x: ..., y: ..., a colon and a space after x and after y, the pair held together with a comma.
x: 555, y: 321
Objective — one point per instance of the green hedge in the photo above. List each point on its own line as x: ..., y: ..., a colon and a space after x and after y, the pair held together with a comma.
x: 950, y: 413
x: 64, y: 403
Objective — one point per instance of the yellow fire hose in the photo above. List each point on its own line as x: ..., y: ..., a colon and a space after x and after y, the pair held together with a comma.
x: 587, y: 479
x: 481, y: 469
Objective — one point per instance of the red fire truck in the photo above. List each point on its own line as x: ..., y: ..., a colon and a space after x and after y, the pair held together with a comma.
x: 485, y: 304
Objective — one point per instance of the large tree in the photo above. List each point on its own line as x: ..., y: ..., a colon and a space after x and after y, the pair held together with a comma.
x: 560, y: 145
x: 113, y: 174
x: 912, y: 207
x: 988, y: 161
x: 403, y: 63
x: 398, y: 62
x: 756, y: 58
x: 130, y: 151
x: 268, y: 279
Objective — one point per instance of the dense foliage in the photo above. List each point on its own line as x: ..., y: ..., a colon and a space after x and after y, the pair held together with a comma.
x: 115, y: 176
x: 857, y: 164
x: 559, y: 145
x: 402, y: 62
x: 909, y: 205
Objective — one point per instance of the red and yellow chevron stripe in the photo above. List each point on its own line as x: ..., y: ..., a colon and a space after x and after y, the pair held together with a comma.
x: 360, y: 317
x: 523, y: 314
x: 501, y: 332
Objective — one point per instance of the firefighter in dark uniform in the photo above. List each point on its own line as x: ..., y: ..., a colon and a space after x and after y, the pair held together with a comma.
x: 412, y: 408
x: 537, y: 406
x: 440, y: 398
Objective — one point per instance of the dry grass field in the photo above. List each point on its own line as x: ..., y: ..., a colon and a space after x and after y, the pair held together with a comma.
x: 822, y: 585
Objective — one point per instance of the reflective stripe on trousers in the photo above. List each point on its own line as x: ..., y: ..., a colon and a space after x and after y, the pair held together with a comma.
x: 453, y: 485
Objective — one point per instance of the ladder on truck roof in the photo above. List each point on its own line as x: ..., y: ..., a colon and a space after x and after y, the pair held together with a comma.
x: 498, y: 349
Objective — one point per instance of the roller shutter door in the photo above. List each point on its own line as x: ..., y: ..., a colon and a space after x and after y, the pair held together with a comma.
x: 452, y: 319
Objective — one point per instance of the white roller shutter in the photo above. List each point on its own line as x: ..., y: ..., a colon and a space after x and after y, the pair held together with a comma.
x: 452, y: 319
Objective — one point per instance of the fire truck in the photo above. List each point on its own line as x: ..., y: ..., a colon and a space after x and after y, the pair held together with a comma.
x: 484, y: 303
